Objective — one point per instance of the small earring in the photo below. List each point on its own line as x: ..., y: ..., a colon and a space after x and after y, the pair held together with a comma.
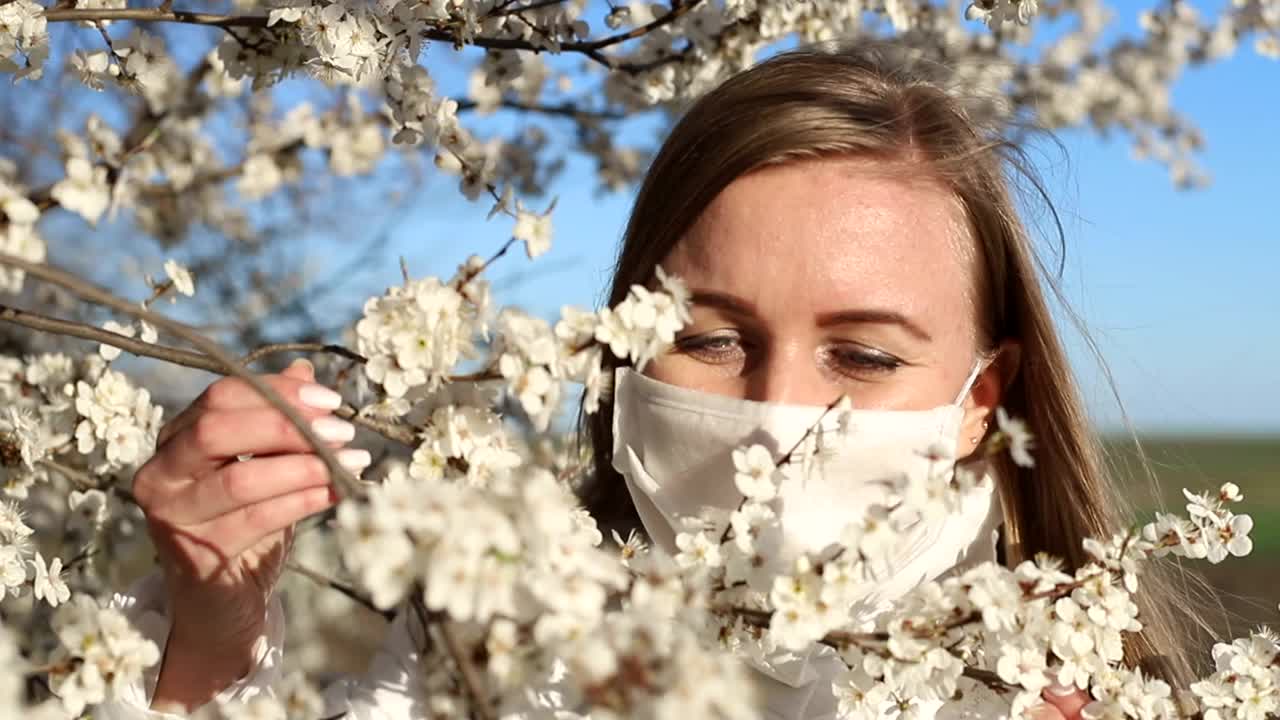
x: 974, y: 439
x: 984, y: 424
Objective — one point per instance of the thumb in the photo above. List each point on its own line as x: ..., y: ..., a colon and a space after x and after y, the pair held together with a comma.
x: 300, y: 369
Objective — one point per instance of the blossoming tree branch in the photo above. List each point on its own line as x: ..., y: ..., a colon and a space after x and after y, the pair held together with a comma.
x: 468, y: 521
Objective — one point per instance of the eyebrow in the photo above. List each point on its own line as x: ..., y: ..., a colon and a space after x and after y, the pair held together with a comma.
x: 877, y: 316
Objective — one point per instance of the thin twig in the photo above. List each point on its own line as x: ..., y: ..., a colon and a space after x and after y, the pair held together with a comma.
x: 79, y: 478
x: 154, y: 15
x: 509, y: 9
x: 346, y: 483
x: 57, y: 326
x: 787, y: 458
x: 564, y: 109
x: 471, y: 679
x: 315, y: 347
x: 187, y: 358
x: 591, y: 48
x: 839, y: 640
x: 333, y: 584
x: 472, y: 684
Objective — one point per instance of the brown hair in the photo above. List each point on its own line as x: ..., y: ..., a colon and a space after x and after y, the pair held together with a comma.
x: 881, y: 99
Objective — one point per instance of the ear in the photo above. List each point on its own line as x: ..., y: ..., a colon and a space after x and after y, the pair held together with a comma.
x: 987, y: 393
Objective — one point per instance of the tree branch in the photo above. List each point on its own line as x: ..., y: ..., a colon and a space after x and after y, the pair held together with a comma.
x: 346, y: 483
x: 70, y: 328
x: 564, y: 109
x: 266, y: 350
x: 471, y: 679
x: 333, y: 584
x: 590, y: 48
x: 76, y: 476
x: 154, y: 15
x: 402, y: 434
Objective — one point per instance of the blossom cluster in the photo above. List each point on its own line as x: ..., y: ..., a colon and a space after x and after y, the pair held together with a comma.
x: 24, y: 39
x: 18, y: 235
x: 416, y: 335
x: 119, y: 420
x: 649, y: 56
x: 101, y: 654
x: 1209, y: 531
x: 519, y: 566
x: 1246, y: 679
x: 1030, y: 626
x: 418, y: 332
x: 21, y: 566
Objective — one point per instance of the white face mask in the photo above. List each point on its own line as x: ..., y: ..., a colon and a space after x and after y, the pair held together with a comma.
x: 674, y: 447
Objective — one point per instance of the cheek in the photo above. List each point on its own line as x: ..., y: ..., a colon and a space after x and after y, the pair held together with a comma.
x: 686, y: 372
x: 910, y: 388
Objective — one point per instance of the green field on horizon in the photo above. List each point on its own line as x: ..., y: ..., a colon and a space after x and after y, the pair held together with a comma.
x: 1199, y: 463
x: 1249, y: 586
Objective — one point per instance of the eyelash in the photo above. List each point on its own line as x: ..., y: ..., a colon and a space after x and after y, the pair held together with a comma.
x: 863, y: 360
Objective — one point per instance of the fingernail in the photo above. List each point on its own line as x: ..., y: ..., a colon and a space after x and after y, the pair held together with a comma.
x: 354, y: 459
x: 333, y: 430
x: 1060, y: 690
x: 319, y: 397
x: 304, y: 363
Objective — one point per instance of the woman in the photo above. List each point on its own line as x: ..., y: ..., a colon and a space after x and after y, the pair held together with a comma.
x: 843, y: 221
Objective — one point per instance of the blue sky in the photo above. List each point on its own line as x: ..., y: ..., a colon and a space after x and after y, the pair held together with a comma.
x: 1178, y: 288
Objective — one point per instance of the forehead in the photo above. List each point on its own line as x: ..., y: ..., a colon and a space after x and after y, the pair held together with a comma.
x: 833, y: 234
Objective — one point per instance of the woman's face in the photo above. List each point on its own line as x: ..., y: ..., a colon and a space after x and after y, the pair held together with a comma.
x: 820, y: 278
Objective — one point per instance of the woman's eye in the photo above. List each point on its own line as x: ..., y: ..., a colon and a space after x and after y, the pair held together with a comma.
x: 711, y: 348
x: 862, y: 360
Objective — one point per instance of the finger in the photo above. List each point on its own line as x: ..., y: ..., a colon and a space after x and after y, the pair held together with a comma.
x: 234, y: 532
x: 300, y: 369
x: 1068, y: 701
x: 217, y: 436
x: 239, y: 484
x: 1045, y: 711
x: 296, y: 385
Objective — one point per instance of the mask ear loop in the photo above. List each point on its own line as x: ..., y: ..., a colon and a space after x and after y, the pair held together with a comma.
x: 1009, y: 542
x: 978, y: 366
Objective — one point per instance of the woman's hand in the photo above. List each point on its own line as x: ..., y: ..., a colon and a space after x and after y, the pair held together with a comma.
x: 222, y: 527
x: 1060, y: 705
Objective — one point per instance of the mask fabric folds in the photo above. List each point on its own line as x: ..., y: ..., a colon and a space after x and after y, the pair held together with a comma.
x: 674, y: 448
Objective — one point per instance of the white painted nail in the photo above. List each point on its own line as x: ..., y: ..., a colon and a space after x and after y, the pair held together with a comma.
x: 319, y: 397
x: 333, y: 430
x: 354, y: 459
x: 1061, y: 690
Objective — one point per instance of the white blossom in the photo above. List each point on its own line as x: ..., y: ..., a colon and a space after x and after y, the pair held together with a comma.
x: 415, y: 334
x: 84, y: 190
x: 756, y: 476
x: 119, y: 416
x: 18, y: 234
x: 109, y: 654
x: 181, y: 277
x: 533, y: 230
x: 48, y: 584
x: 24, y: 41
x: 111, y: 352
x: 639, y: 326
x: 13, y: 570
x: 1018, y: 437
